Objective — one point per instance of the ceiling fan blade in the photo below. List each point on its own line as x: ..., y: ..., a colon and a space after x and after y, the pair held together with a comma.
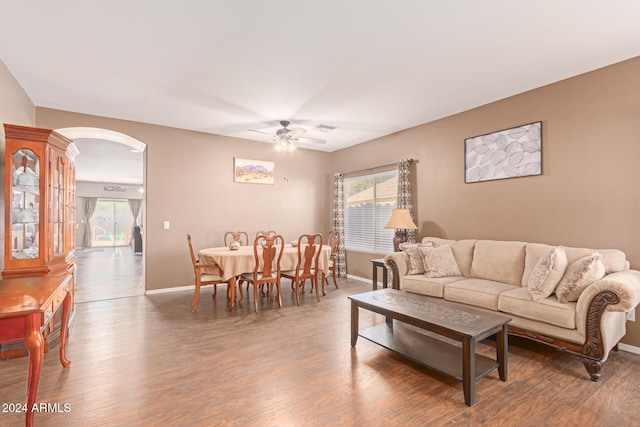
x: 311, y: 140
x: 294, y: 133
x: 259, y: 131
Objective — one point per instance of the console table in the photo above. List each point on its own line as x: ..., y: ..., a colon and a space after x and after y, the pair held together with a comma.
x: 27, y: 305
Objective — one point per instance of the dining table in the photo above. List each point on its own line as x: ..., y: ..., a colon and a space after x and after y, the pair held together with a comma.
x: 233, y: 263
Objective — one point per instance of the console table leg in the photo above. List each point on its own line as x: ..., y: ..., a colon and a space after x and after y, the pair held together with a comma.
x: 354, y: 323
x: 64, y: 329
x: 35, y: 345
x: 502, y: 352
x: 469, y: 370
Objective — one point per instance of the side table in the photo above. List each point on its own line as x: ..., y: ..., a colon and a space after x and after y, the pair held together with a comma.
x: 379, y: 262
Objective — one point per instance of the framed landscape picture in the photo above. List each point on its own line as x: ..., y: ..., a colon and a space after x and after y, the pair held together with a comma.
x: 508, y: 153
x: 253, y: 171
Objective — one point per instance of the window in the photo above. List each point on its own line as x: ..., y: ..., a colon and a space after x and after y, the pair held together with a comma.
x: 369, y: 200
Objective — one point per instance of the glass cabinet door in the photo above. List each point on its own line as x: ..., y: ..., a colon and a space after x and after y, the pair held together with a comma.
x: 58, y: 204
x: 25, y: 205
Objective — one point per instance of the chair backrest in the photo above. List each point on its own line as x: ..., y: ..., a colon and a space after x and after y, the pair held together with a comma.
x: 236, y: 236
x: 194, y: 260
x: 312, y: 246
x: 269, y: 248
x: 334, y: 241
x: 266, y: 233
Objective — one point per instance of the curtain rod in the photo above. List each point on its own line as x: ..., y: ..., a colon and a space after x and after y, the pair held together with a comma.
x: 377, y: 167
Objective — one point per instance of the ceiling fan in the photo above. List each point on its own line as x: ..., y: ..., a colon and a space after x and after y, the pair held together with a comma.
x: 285, y: 138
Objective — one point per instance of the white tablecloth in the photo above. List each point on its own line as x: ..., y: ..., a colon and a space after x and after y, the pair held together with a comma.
x: 234, y: 263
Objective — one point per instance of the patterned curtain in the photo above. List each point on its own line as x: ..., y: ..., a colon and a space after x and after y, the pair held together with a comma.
x: 404, y: 192
x: 338, y: 222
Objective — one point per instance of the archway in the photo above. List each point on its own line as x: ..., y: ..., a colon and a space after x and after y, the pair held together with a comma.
x: 108, y: 271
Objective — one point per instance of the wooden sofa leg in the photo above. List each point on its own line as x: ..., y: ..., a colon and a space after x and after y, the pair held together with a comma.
x: 594, y: 368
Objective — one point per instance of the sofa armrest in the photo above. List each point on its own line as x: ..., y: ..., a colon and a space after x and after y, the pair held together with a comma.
x: 397, y: 263
x: 625, y: 284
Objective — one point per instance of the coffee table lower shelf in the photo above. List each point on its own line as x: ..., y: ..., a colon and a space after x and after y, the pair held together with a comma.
x: 432, y: 353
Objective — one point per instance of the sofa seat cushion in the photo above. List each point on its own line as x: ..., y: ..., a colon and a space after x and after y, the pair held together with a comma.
x: 431, y: 286
x: 478, y: 292
x: 519, y: 302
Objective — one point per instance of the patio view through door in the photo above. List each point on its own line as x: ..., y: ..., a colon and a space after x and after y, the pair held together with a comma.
x: 111, y: 223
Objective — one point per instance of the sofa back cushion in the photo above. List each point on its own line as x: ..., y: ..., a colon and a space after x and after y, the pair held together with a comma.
x: 462, y: 251
x: 614, y: 260
x: 500, y: 261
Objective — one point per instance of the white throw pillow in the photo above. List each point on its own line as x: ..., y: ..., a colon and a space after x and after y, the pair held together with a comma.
x: 580, y: 274
x: 547, y: 273
x: 439, y: 261
x: 414, y: 257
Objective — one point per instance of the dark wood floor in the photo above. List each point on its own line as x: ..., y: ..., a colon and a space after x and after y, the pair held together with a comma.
x: 107, y: 273
x: 148, y: 361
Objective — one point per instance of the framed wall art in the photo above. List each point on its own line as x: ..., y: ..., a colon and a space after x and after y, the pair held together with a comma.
x: 509, y: 153
x: 253, y: 171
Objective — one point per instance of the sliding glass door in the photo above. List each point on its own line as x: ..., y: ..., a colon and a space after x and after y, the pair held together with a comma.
x: 111, y: 223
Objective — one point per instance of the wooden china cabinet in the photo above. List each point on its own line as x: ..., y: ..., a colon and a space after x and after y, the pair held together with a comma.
x: 40, y: 211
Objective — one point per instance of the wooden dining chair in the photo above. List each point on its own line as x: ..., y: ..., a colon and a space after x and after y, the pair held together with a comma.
x: 203, y: 278
x: 238, y: 236
x: 309, y: 248
x: 334, y: 243
x: 267, y: 251
x: 266, y: 233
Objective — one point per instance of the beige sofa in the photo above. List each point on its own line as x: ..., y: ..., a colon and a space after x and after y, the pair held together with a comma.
x: 504, y: 276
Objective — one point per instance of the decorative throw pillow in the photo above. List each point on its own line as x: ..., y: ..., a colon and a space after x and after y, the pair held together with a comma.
x: 580, y: 274
x: 547, y: 273
x: 439, y: 261
x: 414, y: 257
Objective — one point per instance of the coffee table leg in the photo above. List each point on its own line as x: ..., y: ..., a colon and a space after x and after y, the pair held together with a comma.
x: 502, y: 351
x: 469, y: 370
x: 354, y: 323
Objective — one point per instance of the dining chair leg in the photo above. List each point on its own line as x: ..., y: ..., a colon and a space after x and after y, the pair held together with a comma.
x: 324, y: 279
x: 314, y: 282
x: 215, y: 290
x: 335, y: 280
x: 196, y: 297
x: 255, y: 297
x: 297, y: 294
x: 279, y: 297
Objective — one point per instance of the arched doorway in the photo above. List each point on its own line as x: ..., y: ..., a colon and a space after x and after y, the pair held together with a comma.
x: 111, y: 212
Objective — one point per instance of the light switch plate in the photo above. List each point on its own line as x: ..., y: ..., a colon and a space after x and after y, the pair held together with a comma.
x: 166, y: 225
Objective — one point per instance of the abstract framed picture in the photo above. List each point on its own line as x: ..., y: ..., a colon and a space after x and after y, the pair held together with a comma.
x: 253, y: 171
x: 509, y: 153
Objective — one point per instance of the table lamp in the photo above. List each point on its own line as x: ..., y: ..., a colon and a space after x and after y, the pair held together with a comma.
x: 401, y: 221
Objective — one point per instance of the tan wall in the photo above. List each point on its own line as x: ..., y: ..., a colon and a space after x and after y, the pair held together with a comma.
x: 189, y: 182
x: 588, y: 194
x: 15, y: 108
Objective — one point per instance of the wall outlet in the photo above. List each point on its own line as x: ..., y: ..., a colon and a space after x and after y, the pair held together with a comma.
x: 166, y: 225
x: 631, y: 316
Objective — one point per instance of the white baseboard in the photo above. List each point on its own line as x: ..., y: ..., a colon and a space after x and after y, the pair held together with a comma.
x: 165, y: 290
x: 629, y: 348
x: 361, y: 279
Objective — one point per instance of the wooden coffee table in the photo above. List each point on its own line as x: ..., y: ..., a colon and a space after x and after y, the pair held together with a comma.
x: 448, y: 319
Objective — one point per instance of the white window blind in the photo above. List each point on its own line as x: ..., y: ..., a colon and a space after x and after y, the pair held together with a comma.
x: 369, y: 200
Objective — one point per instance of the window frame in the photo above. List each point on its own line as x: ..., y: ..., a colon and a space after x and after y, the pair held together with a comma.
x: 381, y: 238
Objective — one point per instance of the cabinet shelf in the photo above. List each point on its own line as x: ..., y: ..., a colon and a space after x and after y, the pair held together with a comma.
x: 29, y: 189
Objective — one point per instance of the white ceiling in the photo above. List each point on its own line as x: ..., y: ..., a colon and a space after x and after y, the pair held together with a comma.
x: 366, y: 67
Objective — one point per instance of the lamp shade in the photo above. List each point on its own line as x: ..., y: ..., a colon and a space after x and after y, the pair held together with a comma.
x: 401, y: 218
